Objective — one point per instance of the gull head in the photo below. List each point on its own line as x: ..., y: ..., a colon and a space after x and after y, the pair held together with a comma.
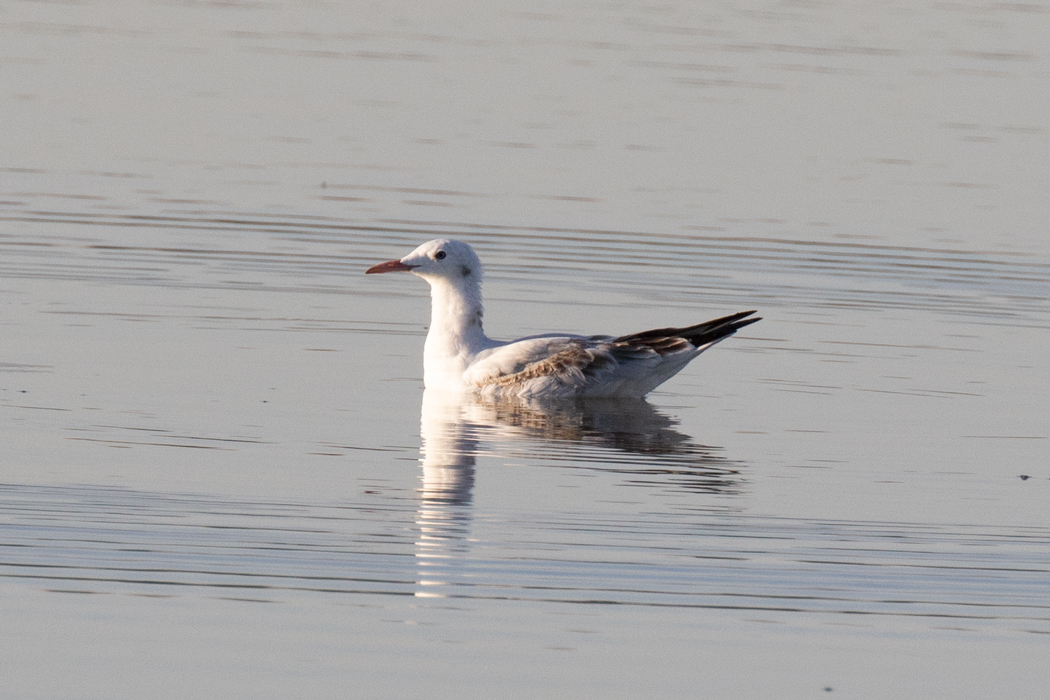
x: 442, y: 259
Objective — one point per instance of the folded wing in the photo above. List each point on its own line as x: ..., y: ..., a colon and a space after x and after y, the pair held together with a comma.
x: 627, y: 366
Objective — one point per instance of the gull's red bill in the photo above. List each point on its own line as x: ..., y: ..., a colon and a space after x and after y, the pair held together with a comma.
x: 389, y: 266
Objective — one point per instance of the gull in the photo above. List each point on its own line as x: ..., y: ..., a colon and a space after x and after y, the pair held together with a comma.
x: 459, y: 357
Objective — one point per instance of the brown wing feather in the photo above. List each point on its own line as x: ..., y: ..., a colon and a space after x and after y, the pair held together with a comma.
x: 577, y: 357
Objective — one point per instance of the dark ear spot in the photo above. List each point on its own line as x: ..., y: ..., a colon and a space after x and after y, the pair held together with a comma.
x: 465, y: 270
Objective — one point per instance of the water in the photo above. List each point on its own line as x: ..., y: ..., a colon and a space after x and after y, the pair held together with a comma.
x: 221, y: 475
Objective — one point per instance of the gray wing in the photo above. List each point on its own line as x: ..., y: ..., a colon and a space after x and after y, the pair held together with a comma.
x: 630, y: 365
x: 562, y: 365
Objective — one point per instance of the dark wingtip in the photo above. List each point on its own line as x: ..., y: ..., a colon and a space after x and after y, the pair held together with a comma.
x: 700, y: 334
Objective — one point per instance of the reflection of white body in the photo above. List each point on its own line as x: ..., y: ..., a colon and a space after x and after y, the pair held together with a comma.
x: 448, y: 454
x: 448, y: 451
x: 458, y: 356
x: 626, y: 436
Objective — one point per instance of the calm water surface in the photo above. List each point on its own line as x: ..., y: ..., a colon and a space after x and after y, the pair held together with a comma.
x: 221, y: 476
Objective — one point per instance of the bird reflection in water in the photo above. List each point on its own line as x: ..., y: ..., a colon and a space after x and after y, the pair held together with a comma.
x: 622, y: 436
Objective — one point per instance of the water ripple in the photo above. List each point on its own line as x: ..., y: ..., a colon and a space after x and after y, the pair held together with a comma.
x: 319, y: 255
x: 106, y: 540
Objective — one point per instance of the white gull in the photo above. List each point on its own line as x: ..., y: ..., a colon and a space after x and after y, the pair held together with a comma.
x: 458, y: 356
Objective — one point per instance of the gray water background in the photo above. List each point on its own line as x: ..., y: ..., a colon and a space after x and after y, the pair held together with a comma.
x: 219, y: 476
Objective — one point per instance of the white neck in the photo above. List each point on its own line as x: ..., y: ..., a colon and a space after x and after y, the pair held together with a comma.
x: 456, y: 334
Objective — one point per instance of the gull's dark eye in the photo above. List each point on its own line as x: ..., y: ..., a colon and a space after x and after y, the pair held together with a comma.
x: 440, y: 255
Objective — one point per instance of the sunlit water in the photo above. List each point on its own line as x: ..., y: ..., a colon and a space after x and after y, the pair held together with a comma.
x: 220, y: 474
